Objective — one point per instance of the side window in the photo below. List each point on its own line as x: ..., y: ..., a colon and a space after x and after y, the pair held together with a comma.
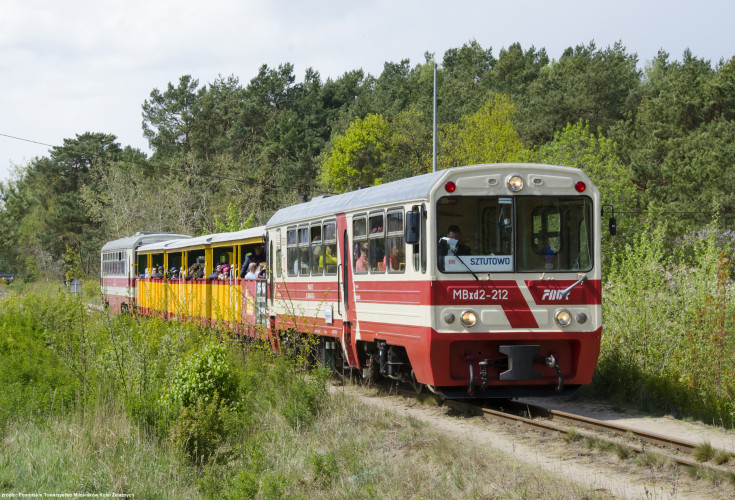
x: 330, y: 248
x: 317, y: 259
x: 303, y: 261
x: 376, y: 243
x: 360, y: 245
x: 396, y: 248
x: 292, y: 252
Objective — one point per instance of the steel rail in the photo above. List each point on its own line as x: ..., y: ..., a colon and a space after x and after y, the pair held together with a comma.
x: 590, y: 423
x: 668, y: 442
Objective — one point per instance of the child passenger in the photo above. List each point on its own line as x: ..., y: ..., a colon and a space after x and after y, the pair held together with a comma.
x: 252, y: 271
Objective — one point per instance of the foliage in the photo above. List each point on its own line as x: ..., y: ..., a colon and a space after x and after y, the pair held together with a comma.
x: 200, y: 429
x: 232, y: 222
x: 670, y: 328
x: 206, y: 375
x: 486, y: 136
x: 585, y: 83
x: 357, y: 158
x: 679, y: 143
x: 73, y: 264
x: 36, y: 379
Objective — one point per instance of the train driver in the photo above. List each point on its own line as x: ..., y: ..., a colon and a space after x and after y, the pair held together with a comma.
x: 453, y: 239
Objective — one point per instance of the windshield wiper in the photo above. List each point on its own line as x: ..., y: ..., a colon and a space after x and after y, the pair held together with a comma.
x: 567, y: 290
x: 465, y: 265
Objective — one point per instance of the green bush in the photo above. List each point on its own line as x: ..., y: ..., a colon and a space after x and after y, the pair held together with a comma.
x: 201, y: 430
x: 205, y: 374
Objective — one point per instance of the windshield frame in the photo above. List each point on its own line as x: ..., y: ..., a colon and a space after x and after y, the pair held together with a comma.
x: 526, y: 253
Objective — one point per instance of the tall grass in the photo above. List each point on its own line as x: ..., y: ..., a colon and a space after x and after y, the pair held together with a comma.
x: 669, y: 328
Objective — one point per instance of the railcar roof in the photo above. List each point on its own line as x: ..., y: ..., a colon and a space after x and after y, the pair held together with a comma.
x: 245, y: 234
x: 141, y: 238
x: 412, y: 188
x: 207, y: 239
x: 404, y: 190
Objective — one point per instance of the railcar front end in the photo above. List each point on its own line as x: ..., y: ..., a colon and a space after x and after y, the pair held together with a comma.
x: 515, y: 282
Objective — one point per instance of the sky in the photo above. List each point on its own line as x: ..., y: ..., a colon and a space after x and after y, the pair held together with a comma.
x: 88, y: 65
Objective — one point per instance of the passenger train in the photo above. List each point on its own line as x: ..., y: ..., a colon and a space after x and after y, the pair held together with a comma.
x: 479, y: 281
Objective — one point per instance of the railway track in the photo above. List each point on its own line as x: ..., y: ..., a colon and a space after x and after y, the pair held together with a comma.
x: 575, y: 427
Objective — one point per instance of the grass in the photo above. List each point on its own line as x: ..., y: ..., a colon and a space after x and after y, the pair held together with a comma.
x: 101, y: 451
x: 357, y: 451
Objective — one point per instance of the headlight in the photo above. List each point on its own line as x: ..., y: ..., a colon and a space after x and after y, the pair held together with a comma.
x: 468, y: 318
x: 515, y: 183
x: 449, y: 318
x: 563, y: 318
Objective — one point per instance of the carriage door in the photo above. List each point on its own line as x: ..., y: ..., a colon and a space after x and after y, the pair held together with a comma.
x: 349, y: 316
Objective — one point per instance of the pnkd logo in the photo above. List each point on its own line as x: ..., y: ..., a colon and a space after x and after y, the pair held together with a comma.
x: 550, y: 294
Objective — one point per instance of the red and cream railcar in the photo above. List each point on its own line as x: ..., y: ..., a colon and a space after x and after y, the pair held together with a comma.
x: 119, y: 271
x: 479, y: 281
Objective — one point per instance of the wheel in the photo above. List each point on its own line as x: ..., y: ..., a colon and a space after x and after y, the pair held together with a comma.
x: 371, y: 372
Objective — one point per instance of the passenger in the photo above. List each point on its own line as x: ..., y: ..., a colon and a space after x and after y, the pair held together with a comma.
x: 215, y: 274
x: 261, y: 271
x: 147, y: 273
x: 257, y: 256
x: 224, y: 272
x: 329, y: 259
x: 397, y: 258
x: 195, y: 271
x: 252, y: 271
x: 174, y: 273
x: 361, y: 264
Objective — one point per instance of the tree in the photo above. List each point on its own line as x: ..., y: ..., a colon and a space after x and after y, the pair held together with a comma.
x: 411, y: 146
x: 586, y: 83
x: 487, y: 136
x: 515, y: 69
x: 465, y: 80
x: 357, y: 158
x: 679, y: 142
x: 168, y: 116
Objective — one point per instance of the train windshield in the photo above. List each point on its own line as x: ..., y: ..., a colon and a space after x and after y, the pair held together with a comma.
x: 521, y: 234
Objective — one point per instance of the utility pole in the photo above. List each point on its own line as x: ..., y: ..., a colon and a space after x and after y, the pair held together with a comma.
x: 434, y: 142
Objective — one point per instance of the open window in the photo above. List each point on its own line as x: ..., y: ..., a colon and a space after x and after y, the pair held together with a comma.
x: 330, y: 248
x: 360, y: 262
x: 395, y: 244
x: 292, y: 252
x: 376, y: 243
x: 304, y: 260
x: 317, y: 250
